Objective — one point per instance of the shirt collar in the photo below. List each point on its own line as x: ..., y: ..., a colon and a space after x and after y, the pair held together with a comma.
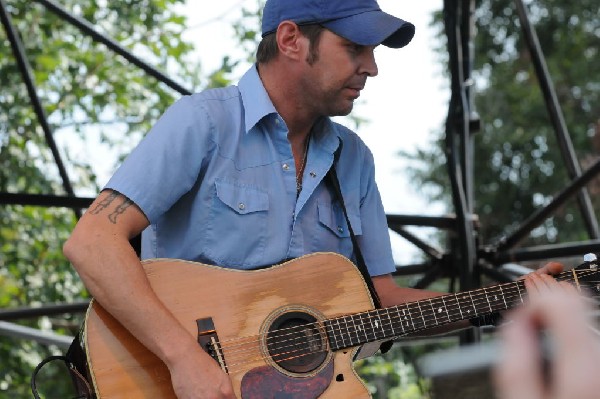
x: 255, y: 98
x: 257, y: 105
x: 326, y: 134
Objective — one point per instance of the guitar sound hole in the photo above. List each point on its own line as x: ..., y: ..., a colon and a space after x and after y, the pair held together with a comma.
x: 295, y: 342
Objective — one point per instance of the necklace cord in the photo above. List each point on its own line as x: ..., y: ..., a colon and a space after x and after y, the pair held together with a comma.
x: 300, y: 170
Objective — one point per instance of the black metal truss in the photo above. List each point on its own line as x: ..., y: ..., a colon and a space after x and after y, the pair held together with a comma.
x: 468, y: 259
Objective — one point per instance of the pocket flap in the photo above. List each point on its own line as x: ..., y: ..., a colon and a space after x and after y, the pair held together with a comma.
x: 242, y: 199
x: 334, y: 220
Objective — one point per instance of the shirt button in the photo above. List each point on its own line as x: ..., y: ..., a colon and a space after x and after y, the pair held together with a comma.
x: 340, y: 229
x: 313, y: 174
x: 241, y: 206
x: 286, y: 166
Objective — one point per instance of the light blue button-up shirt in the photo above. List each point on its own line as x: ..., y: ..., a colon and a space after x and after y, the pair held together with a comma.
x: 216, y: 178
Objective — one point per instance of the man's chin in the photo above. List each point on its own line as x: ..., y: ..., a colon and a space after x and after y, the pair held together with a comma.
x: 342, y: 111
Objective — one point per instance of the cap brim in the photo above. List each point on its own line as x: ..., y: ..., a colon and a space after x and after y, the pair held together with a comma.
x: 373, y: 28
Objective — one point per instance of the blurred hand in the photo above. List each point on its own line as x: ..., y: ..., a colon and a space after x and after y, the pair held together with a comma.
x: 574, y: 370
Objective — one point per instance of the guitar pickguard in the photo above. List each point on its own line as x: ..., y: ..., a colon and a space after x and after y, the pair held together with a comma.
x: 266, y: 382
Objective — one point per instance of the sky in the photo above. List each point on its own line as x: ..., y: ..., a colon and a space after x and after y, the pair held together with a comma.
x: 403, y: 104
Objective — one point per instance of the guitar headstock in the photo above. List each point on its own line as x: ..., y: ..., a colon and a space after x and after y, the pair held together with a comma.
x: 587, y: 275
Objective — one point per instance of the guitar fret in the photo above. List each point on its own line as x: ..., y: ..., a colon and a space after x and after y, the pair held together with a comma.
x: 371, y: 325
x: 440, y: 310
x: 487, y: 299
x: 391, y: 323
x: 447, y: 301
x: 369, y: 328
x: 422, y: 315
x: 473, y: 305
x: 384, y: 330
x: 498, y: 303
x: 433, y: 310
x: 355, y: 330
x: 347, y: 335
x: 376, y: 324
x: 340, y: 330
x: 410, y: 322
x: 415, y: 313
x: 331, y: 334
x: 362, y: 327
x: 379, y: 326
x: 399, y: 317
x: 519, y: 289
x: 392, y: 316
x: 348, y: 330
x: 387, y: 323
x: 503, y: 298
x: 459, y: 308
x: 445, y: 308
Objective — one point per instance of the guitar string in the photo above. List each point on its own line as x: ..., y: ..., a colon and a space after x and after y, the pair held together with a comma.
x: 425, y: 316
x: 260, y: 360
x: 303, y: 353
x: 475, y: 294
x: 295, y: 354
x: 298, y: 354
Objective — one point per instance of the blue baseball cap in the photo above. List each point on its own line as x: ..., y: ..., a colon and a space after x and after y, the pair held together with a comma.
x: 360, y: 21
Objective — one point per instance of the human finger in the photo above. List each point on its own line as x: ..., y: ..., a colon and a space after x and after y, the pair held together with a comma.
x: 563, y: 311
x: 550, y: 268
x: 539, y: 284
x: 518, y: 374
x: 575, y: 349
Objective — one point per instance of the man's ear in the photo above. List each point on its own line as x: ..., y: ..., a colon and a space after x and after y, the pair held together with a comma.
x: 291, y: 42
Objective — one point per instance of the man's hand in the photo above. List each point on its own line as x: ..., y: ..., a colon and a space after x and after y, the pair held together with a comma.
x: 552, y: 268
x: 574, y: 368
x: 539, y: 279
x: 198, y: 376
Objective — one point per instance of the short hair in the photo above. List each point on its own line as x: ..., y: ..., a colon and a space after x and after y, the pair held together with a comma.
x: 268, y: 49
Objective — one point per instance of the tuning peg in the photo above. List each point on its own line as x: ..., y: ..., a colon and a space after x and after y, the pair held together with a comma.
x: 589, y: 257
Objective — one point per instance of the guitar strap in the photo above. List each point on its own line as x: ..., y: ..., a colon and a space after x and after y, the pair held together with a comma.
x: 360, y: 261
x: 75, y: 361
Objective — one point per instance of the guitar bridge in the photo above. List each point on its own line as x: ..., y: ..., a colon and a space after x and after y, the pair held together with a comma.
x: 209, y: 341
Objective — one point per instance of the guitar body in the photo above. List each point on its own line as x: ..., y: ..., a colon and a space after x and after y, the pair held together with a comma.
x: 243, y: 307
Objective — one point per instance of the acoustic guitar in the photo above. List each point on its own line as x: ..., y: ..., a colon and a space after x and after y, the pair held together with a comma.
x: 289, y: 331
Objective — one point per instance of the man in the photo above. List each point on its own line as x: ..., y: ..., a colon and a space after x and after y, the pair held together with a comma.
x: 235, y: 177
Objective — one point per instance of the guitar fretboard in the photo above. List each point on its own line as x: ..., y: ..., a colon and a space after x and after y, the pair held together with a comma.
x: 357, y: 329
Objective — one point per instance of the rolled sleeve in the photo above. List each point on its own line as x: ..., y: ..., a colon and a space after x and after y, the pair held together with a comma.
x: 167, y: 162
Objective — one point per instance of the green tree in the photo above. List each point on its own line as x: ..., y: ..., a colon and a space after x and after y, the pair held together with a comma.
x: 87, y: 92
x: 518, y: 167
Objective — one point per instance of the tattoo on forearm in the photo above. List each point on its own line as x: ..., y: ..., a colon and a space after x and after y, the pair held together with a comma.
x: 105, y: 203
x: 119, y: 210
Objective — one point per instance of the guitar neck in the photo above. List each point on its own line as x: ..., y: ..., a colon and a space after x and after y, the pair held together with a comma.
x: 380, y: 324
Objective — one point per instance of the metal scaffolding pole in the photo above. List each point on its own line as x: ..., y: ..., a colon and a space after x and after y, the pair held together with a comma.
x: 557, y: 118
x: 27, y: 75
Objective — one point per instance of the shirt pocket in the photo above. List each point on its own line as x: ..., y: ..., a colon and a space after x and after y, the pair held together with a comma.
x: 236, y: 231
x: 333, y: 234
